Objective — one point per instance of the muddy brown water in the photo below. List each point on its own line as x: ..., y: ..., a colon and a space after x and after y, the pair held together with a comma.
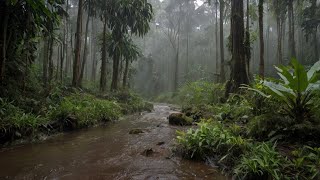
x: 108, y: 152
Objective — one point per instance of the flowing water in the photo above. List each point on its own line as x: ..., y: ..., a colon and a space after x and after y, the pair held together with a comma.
x: 107, y: 152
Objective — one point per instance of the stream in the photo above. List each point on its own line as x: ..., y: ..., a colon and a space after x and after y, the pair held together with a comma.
x: 107, y: 152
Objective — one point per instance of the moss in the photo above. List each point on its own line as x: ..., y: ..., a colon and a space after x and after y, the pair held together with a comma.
x: 136, y: 131
x: 180, y: 119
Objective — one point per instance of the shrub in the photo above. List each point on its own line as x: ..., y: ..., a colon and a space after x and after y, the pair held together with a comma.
x: 200, y: 92
x: 130, y: 102
x: 86, y: 110
x: 294, y: 90
x: 305, y: 164
x: 268, y: 126
x: 212, y: 140
x: 15, y: 122
x: 260, y: 162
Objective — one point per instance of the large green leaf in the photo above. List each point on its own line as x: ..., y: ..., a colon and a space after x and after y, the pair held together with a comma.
x: 300, y: 77
x: 285, y: 74
x: 313, y: 73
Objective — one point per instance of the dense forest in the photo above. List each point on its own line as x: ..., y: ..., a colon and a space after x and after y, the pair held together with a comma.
x: 244, y: 74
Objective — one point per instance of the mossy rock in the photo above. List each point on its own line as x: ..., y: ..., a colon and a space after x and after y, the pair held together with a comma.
x: 180, y: 119
x: 148, y: 106
x: 136, y: 131
x: 198, y: 113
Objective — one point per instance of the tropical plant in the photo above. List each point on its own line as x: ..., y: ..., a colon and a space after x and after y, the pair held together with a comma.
x: 294, y: 90
x: 262, y: 161
x: 212, y: 139
x: 305, y: 163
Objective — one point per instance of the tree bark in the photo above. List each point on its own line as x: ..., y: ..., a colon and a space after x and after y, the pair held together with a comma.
x: 222, y: 71
x: 45, y: 62
x: 103, y: 78
x: 217, y: 42
x: 84, y: 60
x: 4, y: 46
x: 67, y: 39
x: 239, y: 74
x: 50, y: 59
x: 316, y: 49
x: 115, y: 73
x: 279, y: 32
x: 77, y: 60
x: 261, y: 65
x: 125, y: 74
x: 247, y: 40
x: 292, y: 48
x: 93, y: 52
x: 62, y: 53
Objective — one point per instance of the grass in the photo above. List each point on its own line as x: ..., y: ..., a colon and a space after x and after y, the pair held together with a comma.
x: 64, y: 109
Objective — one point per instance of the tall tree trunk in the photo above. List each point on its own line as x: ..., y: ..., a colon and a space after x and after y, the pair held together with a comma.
x: 103, y: 78
x: 58, y: 63
x: 62, y: 53
x: 315, y: 43
x: 222, y: 72
x: 93, y: 51
x: 84, y: 60
x: 247, y: 40
x: 115, y: 73
x: 50, y: 59
x: 3, y: 50
x: 217, y: 42
x: 239, y: 73
x: 125, y: 74
x: 279, y: 32
x: 45, y: 62
x: 292, y: 48
x: 67, y: 39
x: 261, y: 65
x: 77, y: 59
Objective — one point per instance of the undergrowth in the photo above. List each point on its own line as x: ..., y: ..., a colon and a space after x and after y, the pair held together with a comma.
x: 269, y: 130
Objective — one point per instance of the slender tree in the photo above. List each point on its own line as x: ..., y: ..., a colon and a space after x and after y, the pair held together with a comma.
x: 261, y: 64
x: 222, y: 64
x: 292, y: 46
x: 85, y: 49
x: 77, y: 60
x: 216, y: 36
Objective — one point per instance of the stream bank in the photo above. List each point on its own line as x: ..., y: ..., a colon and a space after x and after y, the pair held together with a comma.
x: 107, y: 152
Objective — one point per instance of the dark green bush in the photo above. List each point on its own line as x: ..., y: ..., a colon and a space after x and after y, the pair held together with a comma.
x: 305, y: 164
x: 130, y: 102
x: 86, y: 110
x: 262, y: 161
x: 15, y: 122
x: 212, y: 139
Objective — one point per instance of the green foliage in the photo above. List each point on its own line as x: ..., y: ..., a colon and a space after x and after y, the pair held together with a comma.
x: 167, y: 98
x: 295, y: 90
x: 212, y: 139
x: 86, y: 110
x: 15, y: 122
x: 200, y: 92
x: 122, y: 47
x: 305, y: 163
x: 268, y: 126
x: 261, y: 161
x: 130, y: 102
x: 195, y: 93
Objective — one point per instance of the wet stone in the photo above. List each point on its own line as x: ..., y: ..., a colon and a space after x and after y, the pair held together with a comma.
x: 136, y: 131
x: 160, y: 143
x: 180, y: 119
x: 147, y: 152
